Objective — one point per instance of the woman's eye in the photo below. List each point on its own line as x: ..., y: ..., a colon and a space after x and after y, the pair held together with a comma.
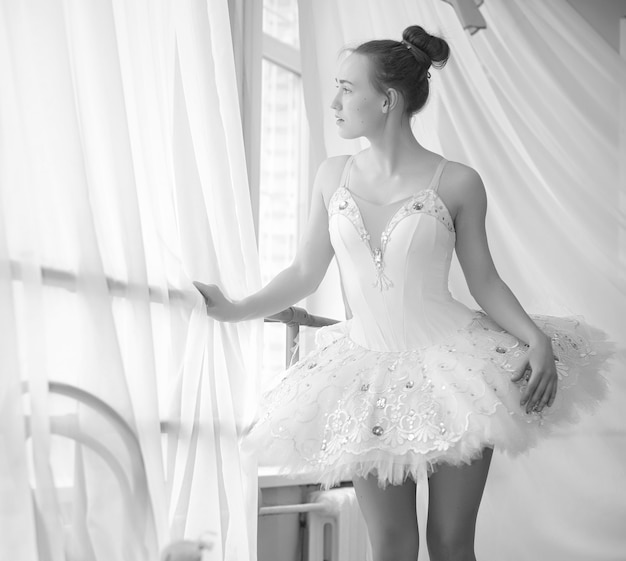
x: 345, y: 90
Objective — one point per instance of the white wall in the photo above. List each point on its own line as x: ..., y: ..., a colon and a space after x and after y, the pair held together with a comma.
x: 603, y: 15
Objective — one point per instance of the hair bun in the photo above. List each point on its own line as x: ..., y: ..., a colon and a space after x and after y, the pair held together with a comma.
x: 435, y: 48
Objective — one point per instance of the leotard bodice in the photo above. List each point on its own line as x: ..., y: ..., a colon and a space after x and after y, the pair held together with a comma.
x: 397, y: 285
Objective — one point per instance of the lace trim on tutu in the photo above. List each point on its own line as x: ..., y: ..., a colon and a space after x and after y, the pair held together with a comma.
x: 346, y: 411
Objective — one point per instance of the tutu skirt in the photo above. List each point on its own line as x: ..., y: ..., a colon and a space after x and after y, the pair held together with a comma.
x: 345, y: 411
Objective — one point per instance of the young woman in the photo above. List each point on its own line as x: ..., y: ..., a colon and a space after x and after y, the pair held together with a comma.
x: 415, y: 382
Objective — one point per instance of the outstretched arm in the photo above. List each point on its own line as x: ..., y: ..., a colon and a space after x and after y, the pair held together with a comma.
x: 493, y: 295
x: 295, y: 282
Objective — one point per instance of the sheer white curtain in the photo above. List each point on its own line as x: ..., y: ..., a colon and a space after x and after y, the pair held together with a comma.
x: 534, y: 103
x: 122, y: 179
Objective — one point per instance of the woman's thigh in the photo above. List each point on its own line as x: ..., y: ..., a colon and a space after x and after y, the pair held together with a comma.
x: 390, y: 516
x: 454, y: 498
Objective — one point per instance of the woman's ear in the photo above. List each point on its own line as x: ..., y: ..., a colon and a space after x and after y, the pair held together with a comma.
x: 391, y: 100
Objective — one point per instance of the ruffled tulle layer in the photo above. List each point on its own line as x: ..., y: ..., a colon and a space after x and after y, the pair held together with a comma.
x: 345, y: 411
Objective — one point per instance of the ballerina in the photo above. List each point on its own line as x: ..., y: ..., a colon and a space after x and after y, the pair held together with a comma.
x: 415, y: 384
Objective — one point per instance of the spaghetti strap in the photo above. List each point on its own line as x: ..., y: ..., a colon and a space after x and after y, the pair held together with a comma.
x: 434, y: 184
x: 346, y: 172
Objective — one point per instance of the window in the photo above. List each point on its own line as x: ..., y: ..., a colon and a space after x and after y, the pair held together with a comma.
x: 280, y: 20
x: 283, y: 157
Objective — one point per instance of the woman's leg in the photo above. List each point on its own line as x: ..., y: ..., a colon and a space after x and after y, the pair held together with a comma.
x: 391, y: 518
x: 454, y: 498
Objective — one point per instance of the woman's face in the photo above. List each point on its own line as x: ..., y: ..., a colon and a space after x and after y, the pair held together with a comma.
x: 358, y: 106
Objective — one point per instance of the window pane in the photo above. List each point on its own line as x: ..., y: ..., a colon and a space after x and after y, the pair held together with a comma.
x: 283, y: 167
x: 280, y: 20
x: 282, y: 162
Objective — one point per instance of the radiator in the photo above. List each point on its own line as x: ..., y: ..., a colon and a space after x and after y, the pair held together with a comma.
x: 337, y: 532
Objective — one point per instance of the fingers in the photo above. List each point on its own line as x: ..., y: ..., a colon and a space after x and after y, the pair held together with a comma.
x: 217, y: 305
x: 533, y: 404
x: 543, y: 398
x: 553, y: 396
x: 523, y: 373
x: 209, y: 291
x: 540, y: 392
x: 203, y: 288
x: 534, y: 390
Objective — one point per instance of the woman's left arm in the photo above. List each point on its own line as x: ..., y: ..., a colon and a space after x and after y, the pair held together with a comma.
x: 492, y: 294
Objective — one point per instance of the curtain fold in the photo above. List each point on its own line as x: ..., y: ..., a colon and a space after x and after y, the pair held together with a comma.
x: 122, y: 180
x: 532, y: 102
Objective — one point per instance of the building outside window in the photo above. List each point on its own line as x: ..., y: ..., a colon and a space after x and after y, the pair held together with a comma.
x: 283, y: 157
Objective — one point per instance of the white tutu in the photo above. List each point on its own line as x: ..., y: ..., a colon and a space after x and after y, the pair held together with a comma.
x: 346, y: 411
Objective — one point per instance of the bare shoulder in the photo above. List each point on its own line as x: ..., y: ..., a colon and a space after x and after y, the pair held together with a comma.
x: 461, y: 186
x: 329, y: 176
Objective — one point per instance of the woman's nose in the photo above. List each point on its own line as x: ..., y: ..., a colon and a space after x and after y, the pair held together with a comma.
x: 336, y: 104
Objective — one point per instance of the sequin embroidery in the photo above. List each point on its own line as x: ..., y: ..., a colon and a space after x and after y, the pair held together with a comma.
x: 426, y: 201
x: 418, y: 402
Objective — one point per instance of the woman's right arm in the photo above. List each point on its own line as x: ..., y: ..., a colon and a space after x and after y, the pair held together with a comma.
x: 298, y: 280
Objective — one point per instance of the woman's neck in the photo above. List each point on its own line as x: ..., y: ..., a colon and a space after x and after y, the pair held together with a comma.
x: 392, y: 148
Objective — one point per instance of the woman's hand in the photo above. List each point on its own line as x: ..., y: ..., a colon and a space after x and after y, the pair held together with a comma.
x: 217, y: 305
x: 464, y: 192
x: 542, y: 383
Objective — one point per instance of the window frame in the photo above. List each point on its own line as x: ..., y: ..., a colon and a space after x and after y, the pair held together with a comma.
x: 251, y: 45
